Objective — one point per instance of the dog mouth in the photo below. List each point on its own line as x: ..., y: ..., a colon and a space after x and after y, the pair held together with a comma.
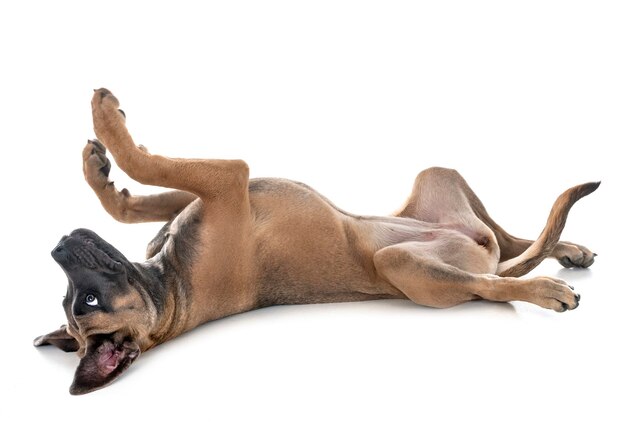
x: 104, y: 361
x: 110, y: 356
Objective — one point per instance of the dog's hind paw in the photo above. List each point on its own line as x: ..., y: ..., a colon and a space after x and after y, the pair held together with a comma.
x: 552, y: 293
x: 571, y: 255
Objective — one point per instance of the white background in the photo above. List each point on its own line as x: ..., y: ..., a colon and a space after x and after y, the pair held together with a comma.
x: 353, y: 98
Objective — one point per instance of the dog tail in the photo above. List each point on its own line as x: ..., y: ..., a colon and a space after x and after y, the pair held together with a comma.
x: 543, y: 246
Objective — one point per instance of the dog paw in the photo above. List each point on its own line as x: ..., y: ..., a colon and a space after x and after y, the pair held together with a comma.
x: 571, y: 255
x: 108, y: 119
x: 96, y: 165
x: 103, y: 96
x: 552, y: 293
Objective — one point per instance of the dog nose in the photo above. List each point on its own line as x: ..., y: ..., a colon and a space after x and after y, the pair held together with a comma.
x: 59, y: 253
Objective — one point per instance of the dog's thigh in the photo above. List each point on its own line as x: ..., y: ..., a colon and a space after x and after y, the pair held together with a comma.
x: 439, y: 195
x: 422, y: 278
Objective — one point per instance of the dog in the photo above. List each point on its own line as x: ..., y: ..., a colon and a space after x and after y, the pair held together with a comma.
x: 233, y: 244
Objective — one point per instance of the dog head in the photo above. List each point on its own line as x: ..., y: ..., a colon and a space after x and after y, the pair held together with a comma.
x: 109, y: 315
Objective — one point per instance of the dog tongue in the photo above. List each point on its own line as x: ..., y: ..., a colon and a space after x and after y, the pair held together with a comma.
x: 108, y: 359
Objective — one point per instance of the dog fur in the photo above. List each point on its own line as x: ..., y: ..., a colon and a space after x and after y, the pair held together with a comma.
x: 232, y: 244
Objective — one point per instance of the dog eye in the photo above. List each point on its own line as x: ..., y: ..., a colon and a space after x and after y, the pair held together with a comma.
x: 91, y: 300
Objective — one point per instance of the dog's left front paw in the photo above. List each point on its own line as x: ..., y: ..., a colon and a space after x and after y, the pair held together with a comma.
x: 571, y: 255
x: 96, y: 165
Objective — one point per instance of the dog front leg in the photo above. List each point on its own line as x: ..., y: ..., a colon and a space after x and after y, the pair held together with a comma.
x: 123, y: 206
x: 209, y: 179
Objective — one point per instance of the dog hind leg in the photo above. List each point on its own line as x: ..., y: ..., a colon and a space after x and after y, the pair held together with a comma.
x: 440, y: 194
x: 426, y: 280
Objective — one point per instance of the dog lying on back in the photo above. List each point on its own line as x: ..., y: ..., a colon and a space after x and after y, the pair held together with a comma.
x: 232, y: 244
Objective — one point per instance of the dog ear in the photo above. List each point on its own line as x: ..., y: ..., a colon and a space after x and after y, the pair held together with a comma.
x: 104, y: 361
x: 59, y: 338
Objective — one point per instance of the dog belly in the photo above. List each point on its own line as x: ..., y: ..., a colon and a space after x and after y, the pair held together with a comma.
x: 474, y: 250
x: 314, y: 268
x: 306, y: 251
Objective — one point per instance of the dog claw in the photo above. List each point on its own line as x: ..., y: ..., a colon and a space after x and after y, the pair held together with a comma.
x: 97, y: 146
x: 106, y: 169
x: 95, y: 154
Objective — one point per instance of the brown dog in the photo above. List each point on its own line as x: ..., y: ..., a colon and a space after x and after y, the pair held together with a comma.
x: 232, y: 244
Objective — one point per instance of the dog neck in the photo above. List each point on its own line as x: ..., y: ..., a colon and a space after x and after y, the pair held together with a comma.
x: 166, y: 298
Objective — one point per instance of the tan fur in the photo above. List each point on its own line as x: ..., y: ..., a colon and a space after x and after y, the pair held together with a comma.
x: 274, y: 241
x: 131, y: 316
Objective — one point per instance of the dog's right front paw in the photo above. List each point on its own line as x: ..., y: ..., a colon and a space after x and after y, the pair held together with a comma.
x: 96, y: 165
x: 109, y: 122
x: 103, y: 96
